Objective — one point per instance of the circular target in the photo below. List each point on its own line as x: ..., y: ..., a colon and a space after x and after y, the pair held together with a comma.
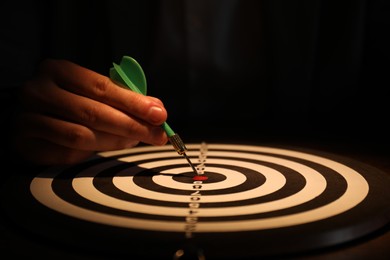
x: 270, y: 199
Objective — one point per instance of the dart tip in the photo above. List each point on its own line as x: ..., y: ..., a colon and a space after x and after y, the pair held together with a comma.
x: 190, y: 163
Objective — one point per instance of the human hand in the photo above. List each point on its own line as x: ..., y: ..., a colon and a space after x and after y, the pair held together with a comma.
x: 68, y: 112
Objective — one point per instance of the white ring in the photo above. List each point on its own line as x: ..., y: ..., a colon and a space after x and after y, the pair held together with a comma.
x: 233, y: 178
x: 274, y: 181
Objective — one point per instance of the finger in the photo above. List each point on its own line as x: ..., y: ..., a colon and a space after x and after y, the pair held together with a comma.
x: 156, y: 100
x: 90, y: 84
x: 81, y: 110
x: 79, y: 137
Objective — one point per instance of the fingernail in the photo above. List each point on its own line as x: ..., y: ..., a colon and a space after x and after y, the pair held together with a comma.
x: 155, y: 114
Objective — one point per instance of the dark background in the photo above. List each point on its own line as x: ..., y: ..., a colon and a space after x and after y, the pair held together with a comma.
x: 231, y: 69
x: 309, y: 73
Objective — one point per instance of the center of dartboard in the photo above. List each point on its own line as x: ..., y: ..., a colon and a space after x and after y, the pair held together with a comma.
x: 211, y: 177
x: 200, y: 178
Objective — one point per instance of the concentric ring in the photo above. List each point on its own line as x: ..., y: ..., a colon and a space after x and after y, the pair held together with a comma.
x: 130, y: 203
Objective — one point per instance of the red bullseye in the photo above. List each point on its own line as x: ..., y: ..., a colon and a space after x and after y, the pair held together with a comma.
x: 200, y: 178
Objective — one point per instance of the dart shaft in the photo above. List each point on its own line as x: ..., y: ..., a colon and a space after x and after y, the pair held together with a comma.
x: 168, y: 129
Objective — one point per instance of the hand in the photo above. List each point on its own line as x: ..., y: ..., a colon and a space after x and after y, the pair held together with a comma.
x: 68, y: 112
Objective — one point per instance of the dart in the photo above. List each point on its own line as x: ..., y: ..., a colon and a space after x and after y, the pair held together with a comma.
x: 129, y: 74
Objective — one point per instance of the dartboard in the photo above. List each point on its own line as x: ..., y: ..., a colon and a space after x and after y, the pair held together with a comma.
x: 246, y: 200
